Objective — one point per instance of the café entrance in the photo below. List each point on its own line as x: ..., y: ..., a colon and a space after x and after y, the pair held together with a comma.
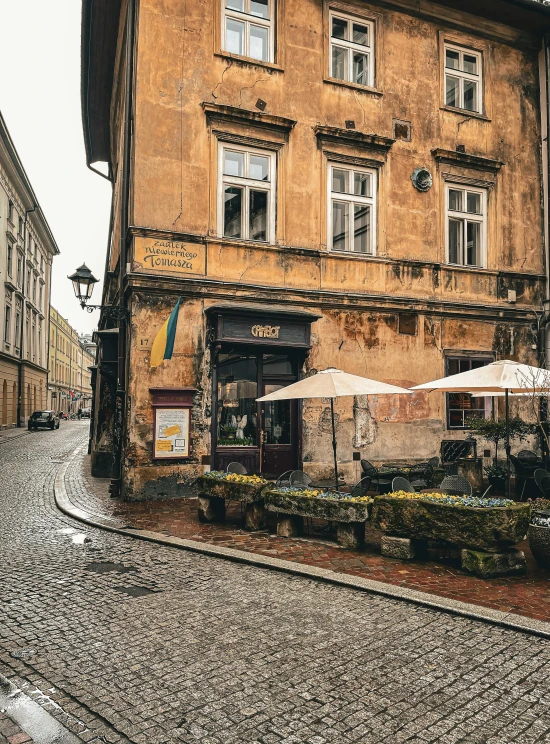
x: 264, y: 437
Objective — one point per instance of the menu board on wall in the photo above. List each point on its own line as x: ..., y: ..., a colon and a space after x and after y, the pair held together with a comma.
x: 172, y: 428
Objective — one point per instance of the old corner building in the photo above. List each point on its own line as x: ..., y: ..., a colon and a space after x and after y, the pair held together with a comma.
x: 27, y: 248
x: 324, y: 183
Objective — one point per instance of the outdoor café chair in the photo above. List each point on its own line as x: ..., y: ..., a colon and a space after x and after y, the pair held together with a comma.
x: 236, y: 467
x: 456, y: 485
x: 283, y: 481
x: 524, y: 472
x: 361, y: 488
x: 299, y: 478
x: 527, y: 457
x: 377, y: 480
x: 421, y: 476
x: 402, y: 484
x: 542, y: 479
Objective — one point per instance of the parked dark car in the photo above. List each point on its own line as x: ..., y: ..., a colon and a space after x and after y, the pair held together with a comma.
x: 44, y: 420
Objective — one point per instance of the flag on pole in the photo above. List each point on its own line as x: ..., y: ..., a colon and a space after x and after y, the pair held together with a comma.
x: 163, y: 345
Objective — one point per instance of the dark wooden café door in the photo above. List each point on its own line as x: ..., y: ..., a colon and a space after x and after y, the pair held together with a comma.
x: 279, y: 433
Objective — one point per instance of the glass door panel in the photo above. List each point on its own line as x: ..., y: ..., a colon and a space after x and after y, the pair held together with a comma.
x: 236, y: 407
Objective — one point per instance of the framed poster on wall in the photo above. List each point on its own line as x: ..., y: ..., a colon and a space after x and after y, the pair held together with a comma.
x: 172, y: 422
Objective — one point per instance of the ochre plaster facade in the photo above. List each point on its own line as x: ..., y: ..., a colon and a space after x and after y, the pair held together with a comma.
x: 189, y: 97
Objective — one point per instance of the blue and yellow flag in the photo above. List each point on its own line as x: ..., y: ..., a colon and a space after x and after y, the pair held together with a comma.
x: 163, y: 345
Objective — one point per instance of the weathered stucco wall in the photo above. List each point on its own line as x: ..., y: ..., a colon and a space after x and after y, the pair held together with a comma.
x: 380, y: 427
x: 179, y: 68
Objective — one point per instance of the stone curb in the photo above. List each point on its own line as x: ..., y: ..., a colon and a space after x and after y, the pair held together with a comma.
x: 36, y: 722
x: 4, y: 438
x: 506, y: 620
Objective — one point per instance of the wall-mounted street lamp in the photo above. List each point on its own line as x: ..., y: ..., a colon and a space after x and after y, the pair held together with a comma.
x: 83, y: 284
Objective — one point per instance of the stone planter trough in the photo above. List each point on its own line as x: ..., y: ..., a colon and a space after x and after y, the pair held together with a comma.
x: 213, y: 493
x: 291, y: 510
x: 485, y: 531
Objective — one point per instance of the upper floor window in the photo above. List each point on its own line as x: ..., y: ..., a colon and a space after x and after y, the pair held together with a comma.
x: 7, y: 324
x: 463, y: 84
x: 246, y: 194
x: 19, y: 269
x: 247, y: 28
x: 10, y: 260
x: 466, y: 217
x: 352, y: 209
x: 462, y: 407
x: 20, y: 228
x: 351, y: 49
x: 10, y: 211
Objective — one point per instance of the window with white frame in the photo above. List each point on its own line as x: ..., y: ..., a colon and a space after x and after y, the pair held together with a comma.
x: 246, y: 193
x: 466, y: 225
x: 7, y: 324
x: 248, y: 28
x: 351, y: 51
x: 352, y: 209
x: 463, y: 83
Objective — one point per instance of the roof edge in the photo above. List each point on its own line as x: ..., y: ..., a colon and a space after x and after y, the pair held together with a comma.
x: 5, y: 136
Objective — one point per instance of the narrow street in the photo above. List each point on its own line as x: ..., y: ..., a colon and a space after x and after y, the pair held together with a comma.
x: 128, y: 641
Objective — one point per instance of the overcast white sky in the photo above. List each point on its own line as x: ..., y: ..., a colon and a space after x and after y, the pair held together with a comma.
x: 40, y: 101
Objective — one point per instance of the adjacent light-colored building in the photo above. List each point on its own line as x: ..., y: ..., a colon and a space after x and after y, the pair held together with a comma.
x: 324, y: 183
x: 27, y: 248
x: 69, y: 382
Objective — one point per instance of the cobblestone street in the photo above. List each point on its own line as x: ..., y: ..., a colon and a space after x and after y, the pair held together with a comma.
x: 128, y: 641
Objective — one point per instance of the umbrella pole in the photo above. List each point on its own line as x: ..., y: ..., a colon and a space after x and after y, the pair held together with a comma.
x: 334, y: 443
x: 507, y: 444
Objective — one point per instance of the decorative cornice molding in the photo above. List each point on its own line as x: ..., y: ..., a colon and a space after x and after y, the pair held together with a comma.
x: 482, y: 183
x: 217, y: 112
x: 352, y: 137
x: 463, y: 160
x: 351, y: 160
x: 246, y: 141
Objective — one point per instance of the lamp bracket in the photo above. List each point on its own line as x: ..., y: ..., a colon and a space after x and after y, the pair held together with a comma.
x: 111, y: 312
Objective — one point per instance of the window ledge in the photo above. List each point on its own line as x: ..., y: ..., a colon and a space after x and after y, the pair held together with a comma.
x: 354, y: 256
x: 354, y: 86
x: 217, y: 112
x: 353, y: 137
x: 465, y: 112
x: 249, y: 61
x: 461, y: 267
x: 465, y: 160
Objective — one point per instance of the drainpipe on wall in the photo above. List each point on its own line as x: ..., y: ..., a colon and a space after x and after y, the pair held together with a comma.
x: 544, y: 327
x: 120, y: 403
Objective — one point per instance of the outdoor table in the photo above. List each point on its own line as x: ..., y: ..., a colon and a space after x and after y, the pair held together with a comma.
x: 327, y: 485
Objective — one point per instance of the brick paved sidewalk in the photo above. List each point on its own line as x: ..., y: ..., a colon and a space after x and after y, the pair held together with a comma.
x: 529, y: 596
x: 10, y: 733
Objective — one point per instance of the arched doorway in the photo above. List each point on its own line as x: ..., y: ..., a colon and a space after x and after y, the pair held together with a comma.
x: 35, y: 407
x: 28, y: 401
x: 14, y: 404
x: 5, y: 403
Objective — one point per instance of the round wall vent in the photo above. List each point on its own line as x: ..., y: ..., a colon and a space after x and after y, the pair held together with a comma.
x: 422, y: 179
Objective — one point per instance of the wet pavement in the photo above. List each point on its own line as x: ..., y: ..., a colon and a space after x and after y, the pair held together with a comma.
x: 523, y: 595
x: 127, y: 641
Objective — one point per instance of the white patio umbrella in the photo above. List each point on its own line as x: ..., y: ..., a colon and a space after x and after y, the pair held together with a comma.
x: 333, y: 383
x: 498, y: 377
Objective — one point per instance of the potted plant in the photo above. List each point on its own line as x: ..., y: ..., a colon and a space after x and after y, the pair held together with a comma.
x: 495, y: 431
x: 539, y: 532
x: 496, y: 475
